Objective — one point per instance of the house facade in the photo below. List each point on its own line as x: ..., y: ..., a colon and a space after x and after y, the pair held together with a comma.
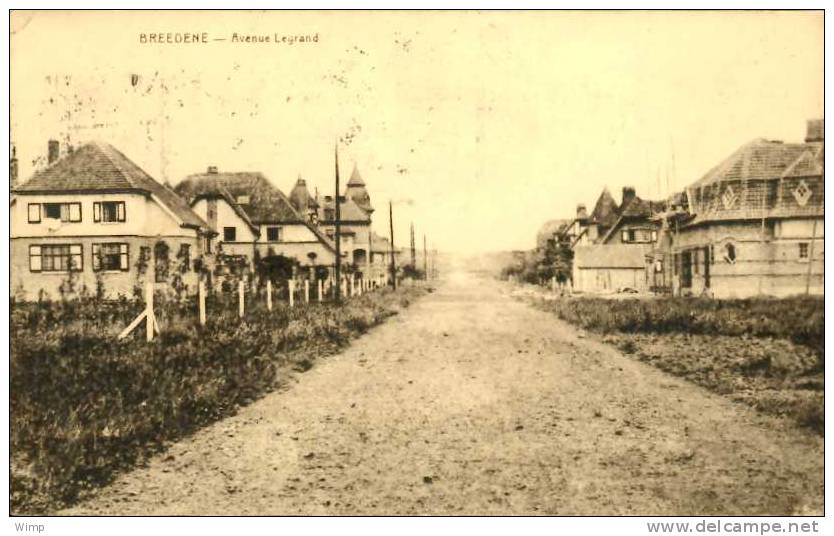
x: 355, y: 229
x: 610, y: 268
x: 610, y: 246
x: 254, y: 220
x: 752, y: 225
x: 93, y: 221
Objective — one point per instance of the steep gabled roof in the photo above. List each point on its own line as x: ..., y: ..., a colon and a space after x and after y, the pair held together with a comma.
x: 349, y: 211
x: 635, y: 210
x: 605, y: 211
x: 220, y: 192
x: 267, y: 204
x: 762, y: 159
x: 100, y: 167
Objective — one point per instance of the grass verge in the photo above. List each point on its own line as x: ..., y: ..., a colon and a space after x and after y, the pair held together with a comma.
x: 85, y: 406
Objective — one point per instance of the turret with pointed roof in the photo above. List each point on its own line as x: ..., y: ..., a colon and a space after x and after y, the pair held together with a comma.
x: 356, y: 190
x: 300, y: 197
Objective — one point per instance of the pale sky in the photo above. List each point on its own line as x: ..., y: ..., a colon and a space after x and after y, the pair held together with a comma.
x: 491, y: 123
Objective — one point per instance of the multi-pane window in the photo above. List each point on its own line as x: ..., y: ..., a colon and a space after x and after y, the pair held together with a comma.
x: 229, y: 234
x: 803, y: 250
x: 638, y: 235
x: 56, y: 258
x: 273, y: 234
x: 65, y: 212
x: 110, y: 257
x: 109, y: 211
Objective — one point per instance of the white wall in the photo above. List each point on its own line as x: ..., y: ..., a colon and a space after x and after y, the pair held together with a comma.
x: 143, y: 217
x: 226, y: 217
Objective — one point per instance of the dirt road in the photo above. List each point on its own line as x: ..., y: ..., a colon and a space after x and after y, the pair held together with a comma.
x: 472, y: 403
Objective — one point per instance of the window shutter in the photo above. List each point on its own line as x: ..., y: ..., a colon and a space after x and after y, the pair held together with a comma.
x: 96, y: 257
x: 75, y: 212
x: 625, y: 236
x: 123, y: 250
x: 96, y: 212
x: 76, y: 258
x: 35, y: 258
x: 34, y: 213
x: 120, y: 211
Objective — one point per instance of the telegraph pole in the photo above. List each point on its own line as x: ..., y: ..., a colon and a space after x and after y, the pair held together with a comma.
x: 393, y: 257
x: 413, y: 248
x: 425, y: 259
x: 338, y: 286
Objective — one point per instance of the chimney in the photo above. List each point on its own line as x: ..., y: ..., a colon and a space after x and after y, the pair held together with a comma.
x: 581, y: 212
x: 815, y: 131
x: 53, y: 151
x: 13, y: 167
x: 628, y: 194
x: 212, y: 170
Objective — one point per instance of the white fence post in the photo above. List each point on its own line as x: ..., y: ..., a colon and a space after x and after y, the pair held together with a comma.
x: 240, y: 298
x: 269, y: 294
x: 201, y: 289
x: 149, y: 319
x: 291, y: 289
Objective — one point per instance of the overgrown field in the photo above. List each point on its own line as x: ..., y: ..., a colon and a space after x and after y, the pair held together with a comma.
x: 768, y: 353
x: 84, y: 405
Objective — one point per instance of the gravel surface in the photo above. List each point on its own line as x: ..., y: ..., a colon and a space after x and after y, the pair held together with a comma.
x: 470, y: 402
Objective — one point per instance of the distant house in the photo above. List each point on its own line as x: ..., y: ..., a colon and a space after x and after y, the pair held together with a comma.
x: 610, y: 246
x: 355, y: 211
x: 751, y: 225
x: 255, y: 220
x: 94, y: 220
x: 548, y: 231
x: 608, y: 268
x: 587, y: 229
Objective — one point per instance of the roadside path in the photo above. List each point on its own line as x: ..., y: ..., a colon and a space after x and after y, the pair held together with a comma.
x: 470, y: 402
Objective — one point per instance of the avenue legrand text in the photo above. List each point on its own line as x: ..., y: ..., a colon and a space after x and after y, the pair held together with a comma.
x: 201, y: 38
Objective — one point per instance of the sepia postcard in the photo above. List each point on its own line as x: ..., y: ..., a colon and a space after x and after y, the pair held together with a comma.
x: 418, y: 263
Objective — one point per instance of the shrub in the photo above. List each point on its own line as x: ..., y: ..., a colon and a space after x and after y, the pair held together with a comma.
x: 84, y: 405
